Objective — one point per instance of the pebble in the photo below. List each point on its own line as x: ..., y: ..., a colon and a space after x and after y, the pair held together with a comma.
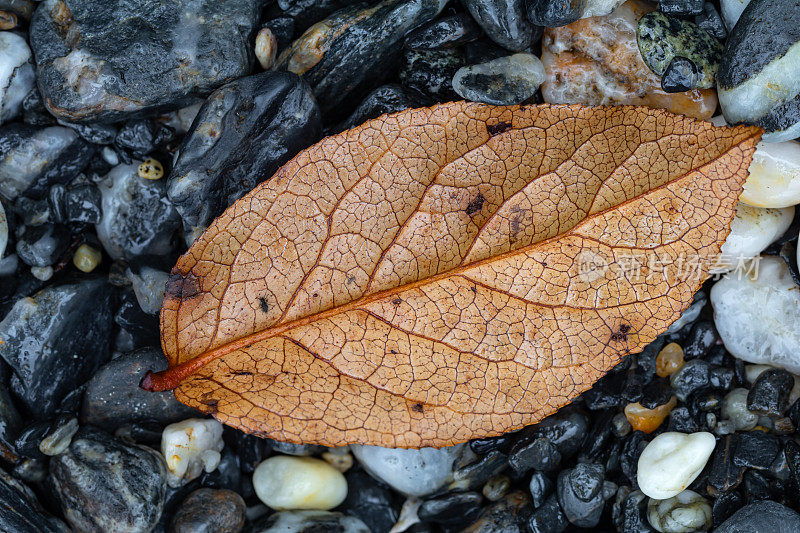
x: 138, y: 218
x: 266, y: 48
x: 732, y: 10
x: 505, y: 515
x: 711, y: 21
x: 242, y: 134
x: 548, y: 517
x: 355, y: 46
x: 597, y: 62
x: 540, y: 487
x: 669, y: 360
x: 753, y: 229
x: 340, y: 460
x: 149, y: 285
x: 3, y: 230
x: 451, y: 509
x: 189, y: 447
x: 412, y: 472
x: 33, y: 159
x: 150, y: 169
x: 17, y: 75
x: 691, y: 376
x: 662, y: 38
x: 681, y: 75
x: 371, y: 501
x: 757, y: 316
x: 671, y: 461
x: 429, y: 73
x: 688, y: 512
x: 762, y: 517
x: 503, y: 81
x: 503, y: 21
x: 41, y: 246
x: 445, y: 32
x: 690, y: 314
x: 286, y: 482
x: 648, y: 420
x: 113, y: 397
x: 86, y: 258
x: 538, y: 454
x: 759, y: 78
x: 770, y: 393
x: 496, y: 488
x: 774, y: 179
x: 580, y: 493
x: 59, y: 438
x: 681, y: 8
x: 734, y: 408
x: 55, y: 340
x: 132, y: 480
x: 309, y: 522
x: 211, y: 511
x: 82, y: 51
x: 21, y: 511
x: 385, y: 99
x: 81, y: 203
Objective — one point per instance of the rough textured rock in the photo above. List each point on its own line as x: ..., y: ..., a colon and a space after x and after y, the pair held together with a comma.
x: 17, y: 75
x: 110, y: 60
x: 762, y: 517
x: 503, y: 21
x: 20, y: 511
x: 210, y: 511
x: 113, y: 397
x: 56, y: 340
x: 103, y: 484
x: 242, y: 134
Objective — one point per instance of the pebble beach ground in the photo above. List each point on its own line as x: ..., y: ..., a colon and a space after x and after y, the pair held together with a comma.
x: 126, y: 127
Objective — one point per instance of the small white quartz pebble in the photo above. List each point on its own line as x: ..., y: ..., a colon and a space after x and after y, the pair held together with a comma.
x: 734, y: 408
x: 189, y: 447
x: 774, y: 179
x: 266, y: 48
x: 757, y: 314
x: 672, y: 461
x: 17, y: 75
x: 753, y: 229
x: 687, y: 512
x: 287, y: 482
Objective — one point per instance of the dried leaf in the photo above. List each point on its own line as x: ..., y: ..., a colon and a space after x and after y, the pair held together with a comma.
x: 448, y: 273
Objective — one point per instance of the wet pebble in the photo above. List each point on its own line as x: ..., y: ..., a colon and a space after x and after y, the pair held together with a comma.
x: 597, y: 61
x: 681, y: 75
x: 86, y: 258
x: 148, y: 285
x: 242, y: 134
x: 762, y: 517
x: 285, y: 483
x: 753, y: 229
x: 59, y: 435
x: 20, y: 510
x: 540, y: 487
x: 774, y: 179
x: 503, y: 21
x: 370, y: 500
x: 132, y: 478
x: 757, y: 316
x: 711, y: 21
x: 671, y: 461
x: 445, y: 32
x: 452, y: 509
x: 195, y: 44
x: 190, y: 447
x: 732, y: 10
x: 41, y: 246
x: 503, y: 81
x: 646, y: 419
x: 429, y: 73
x: 210, y: 510
x: 17, y: 75
x: 759, y: 78
x: 580, y: 493
x: 548, y: 517
x: 412, y: 472
x: 309, y: 522
x: 687, y: 512
x: 692, y: 376
x: 138, y: 218
x: 681, y: 8
x: 266, y: 48
x: 770, y: 393
x: 734, y: 408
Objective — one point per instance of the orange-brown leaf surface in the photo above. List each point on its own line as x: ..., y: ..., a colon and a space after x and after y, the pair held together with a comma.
x: 448, y: 273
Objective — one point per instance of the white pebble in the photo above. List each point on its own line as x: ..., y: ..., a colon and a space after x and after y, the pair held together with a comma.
x: 42, y: 273
x: 189, y: 447
x: 758, y: 314
x: 687, y: 512
x: 734, y: 408
x: 672, y: 461
x: 753, y: 229
x: 599, y: 8
x: 774, y: 179
x: 287, y: 482
x: 266, y: 48
x: 17, y: 74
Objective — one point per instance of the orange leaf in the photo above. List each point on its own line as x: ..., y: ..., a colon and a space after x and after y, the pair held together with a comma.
x: 448, y: 273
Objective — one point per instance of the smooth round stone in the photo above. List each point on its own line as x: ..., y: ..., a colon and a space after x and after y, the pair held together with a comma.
x: 412, y: 472
x: 759, y: 75
x: 662, y: 38
x: 732, y: 10
x: 762, y: 517
x: 734, y: 408
x: 17, y: 75
x: 309, y: 522
x: 503, y: 81
x: 266, y: 48
x: 597, y: 62
x: 774, y: 179
x: 287, y: 482
x: 210, y: 511
x: 503, y: 21
x: 687, y: 512
x: 758, y: 316
x: 190, y: 447
x: 753, y: 229
x: 681, y: 76
x: 671, y: 461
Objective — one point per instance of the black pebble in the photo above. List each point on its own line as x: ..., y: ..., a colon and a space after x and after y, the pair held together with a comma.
x: 769, y: 395
x: 681, y: 8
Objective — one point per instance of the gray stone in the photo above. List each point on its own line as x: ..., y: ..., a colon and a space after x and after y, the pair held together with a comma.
x: 20, y: 511
x: 762, y: 517
x: 17, y: 75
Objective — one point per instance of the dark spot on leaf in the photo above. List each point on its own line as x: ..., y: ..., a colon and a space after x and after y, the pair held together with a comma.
x: 210, y: 403
x: 621, y: 335
x: 417, y: 407
x: 241, y: 373
x: 496, y: 129
x: 397, y: 301
x: 475, y: 205
x: 182, y: 286
x: 264, y: 304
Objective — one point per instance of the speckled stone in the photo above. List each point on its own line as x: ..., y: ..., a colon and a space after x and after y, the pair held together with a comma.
x: 210, y: 511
